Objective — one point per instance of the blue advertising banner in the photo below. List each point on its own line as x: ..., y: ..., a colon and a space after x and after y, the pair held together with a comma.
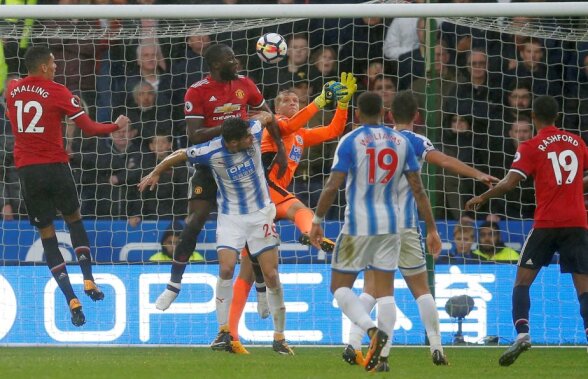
x: 33, y: 310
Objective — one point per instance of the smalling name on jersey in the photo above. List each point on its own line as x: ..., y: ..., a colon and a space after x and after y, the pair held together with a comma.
x: 29, y: 88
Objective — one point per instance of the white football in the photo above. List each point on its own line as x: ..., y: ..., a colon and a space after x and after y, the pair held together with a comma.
x: 271, y: 48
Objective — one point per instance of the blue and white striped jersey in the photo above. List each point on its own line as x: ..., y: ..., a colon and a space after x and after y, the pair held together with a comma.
x: 408, y: 209
x: 240, y: 177
x: 374, y: 157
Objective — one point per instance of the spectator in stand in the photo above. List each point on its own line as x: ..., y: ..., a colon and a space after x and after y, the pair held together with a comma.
x: 385, y: 86
x: 374, y: 68
x: 188, y: 69
x: 104, y: 175
x: 491, y: 247
x: 532, y: 67
x: 411, y: 65
x: 442, y: 82
x: 479, y: 94
x: 362, y: 41
x: 146, y: 116
x: 169, y: 241
x: 518, y: 100
x: 168, y: 199
x: 458, y: 141
x: 145, y: 68
x: 291, y: 70
x: 402, y: 36
x: 461, y: 249
x: 324, y: 59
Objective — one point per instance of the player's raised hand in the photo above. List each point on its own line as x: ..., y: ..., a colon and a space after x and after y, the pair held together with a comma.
x: 316, y: 235
x: 350, y: 84
x: 327, y: 94
x: 488, y: 180
x: 474, y: 203
x: 150, y: 181
x: 122, y: 121
x: 434, y: 243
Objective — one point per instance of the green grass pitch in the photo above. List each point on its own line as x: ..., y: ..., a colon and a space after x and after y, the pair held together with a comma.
x: 309, y: 362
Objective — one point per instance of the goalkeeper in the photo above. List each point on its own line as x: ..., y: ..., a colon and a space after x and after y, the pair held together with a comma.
x: 291, y: 121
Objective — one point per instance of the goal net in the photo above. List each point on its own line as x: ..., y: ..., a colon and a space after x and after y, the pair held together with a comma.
x: 474, y: 77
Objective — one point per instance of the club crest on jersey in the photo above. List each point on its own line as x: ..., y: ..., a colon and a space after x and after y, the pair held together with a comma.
x: 517, y: 157
x: 188, y: 107
x: 197, y: 190
x: 227, y: 108
x: 240, y: 93
x: 75, y: 102
x: 299, y: 140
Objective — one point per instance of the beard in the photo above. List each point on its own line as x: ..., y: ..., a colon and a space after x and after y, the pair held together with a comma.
x: 227, y: 74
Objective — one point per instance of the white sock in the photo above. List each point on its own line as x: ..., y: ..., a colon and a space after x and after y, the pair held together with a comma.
x: 356, y: 333
x: 386, y: 320
x: 352, y: 307
x: 224, y: 295
x: 430, y: 318
x: 175, y: 285
x: 275, y: 300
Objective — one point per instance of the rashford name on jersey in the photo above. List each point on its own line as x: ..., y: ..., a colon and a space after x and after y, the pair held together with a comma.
x: 556, y: 138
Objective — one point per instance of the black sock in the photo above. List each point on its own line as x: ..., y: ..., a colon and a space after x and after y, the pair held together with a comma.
x: 521, y: 303
x: 259, y: 280
x: 56, y: 264
x: 583, y: 299
x: 81, y: 245
x: 184, y: 250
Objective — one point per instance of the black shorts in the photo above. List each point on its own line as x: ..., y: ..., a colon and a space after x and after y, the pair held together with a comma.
x: 202, y: 185
x: 571, y: 243
x: 47, y: 188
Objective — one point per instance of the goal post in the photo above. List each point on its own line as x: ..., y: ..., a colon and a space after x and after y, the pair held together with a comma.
x: 98, y: 49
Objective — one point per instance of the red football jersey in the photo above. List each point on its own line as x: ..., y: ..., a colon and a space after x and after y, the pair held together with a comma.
x: 36, y: 107
x: 556, y: 159
x: 216, y: 101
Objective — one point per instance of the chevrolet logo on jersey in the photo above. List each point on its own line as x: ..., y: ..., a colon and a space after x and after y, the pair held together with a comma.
x: 227, y: 108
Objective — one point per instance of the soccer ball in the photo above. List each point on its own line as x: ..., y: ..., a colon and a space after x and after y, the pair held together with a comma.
x: 271, y: 47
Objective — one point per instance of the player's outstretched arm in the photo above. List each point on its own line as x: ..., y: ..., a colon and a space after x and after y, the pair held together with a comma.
x: 336, y: 179
x: 425, y: 210
x: 93, y: 128
x: 174, y: 159
x: 280, y: 158
x: 458, y: 167
x: 510, y: 181
x: 197, y: 133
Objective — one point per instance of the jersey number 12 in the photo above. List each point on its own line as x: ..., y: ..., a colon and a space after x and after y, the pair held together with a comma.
x: 30, y: 105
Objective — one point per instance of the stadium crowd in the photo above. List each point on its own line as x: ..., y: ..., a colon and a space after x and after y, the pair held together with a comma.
x: 482, y: 83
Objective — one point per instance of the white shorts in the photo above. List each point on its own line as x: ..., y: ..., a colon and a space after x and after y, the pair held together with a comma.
x: 412, y: 254
x: 256, y: 229
x: 353, y: 254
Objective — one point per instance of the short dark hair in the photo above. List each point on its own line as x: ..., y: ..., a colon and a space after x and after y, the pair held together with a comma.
x: 234, y: 129
x: 215, y: 53
x: 545, y: 109
x: 36, y: 56
x: 491, y: 225
x: 404, y: 107
x: 370, y: 103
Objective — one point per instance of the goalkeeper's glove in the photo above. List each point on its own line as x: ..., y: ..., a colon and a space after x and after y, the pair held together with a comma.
x: 349, y: 84
x: 327, y: 95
